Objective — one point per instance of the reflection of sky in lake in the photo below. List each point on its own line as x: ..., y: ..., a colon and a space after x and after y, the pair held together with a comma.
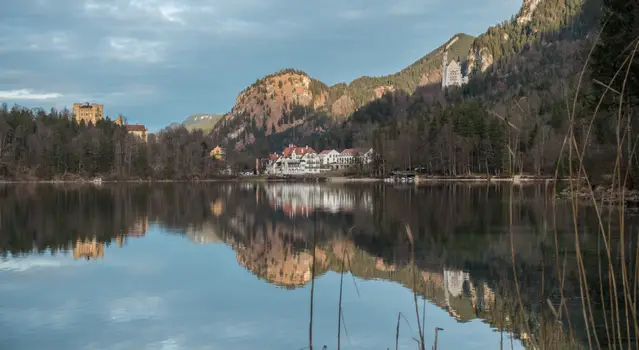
x: 163, y: 292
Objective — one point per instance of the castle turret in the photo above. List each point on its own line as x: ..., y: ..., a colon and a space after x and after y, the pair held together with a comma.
x: 444, y: 64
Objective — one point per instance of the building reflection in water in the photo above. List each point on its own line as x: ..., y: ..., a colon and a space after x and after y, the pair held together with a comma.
x: 94, y: 249
x: 305, y: 199
x: 90, y: 249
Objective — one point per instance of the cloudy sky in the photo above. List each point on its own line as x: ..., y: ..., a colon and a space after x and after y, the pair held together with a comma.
x: 157, y: 61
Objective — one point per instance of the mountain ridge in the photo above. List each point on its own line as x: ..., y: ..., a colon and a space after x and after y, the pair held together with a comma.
x: 284, y: 99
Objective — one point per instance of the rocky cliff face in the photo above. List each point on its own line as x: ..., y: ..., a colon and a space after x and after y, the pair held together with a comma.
x: 481, y: 55
x: 278, y: 102
x: 527, y: 9
x: 271, y: 99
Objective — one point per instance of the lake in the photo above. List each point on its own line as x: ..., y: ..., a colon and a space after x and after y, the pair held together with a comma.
x: 270, y: 266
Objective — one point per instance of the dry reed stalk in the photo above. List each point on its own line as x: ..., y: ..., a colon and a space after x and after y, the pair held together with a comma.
x: 606, y: 240
x: 310, y: 325
x: 512, y: 251
x: 409, y: 233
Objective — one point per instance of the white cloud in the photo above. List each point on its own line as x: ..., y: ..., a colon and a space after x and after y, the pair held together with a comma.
x: 135, y: 50
x: 28, y: 94
x: 171, y: 13
x: 171, y: 343
x: 145, y: 12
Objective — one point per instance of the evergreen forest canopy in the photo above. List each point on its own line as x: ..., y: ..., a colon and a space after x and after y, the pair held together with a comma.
x: 513, y: 118
x: 35, y: 144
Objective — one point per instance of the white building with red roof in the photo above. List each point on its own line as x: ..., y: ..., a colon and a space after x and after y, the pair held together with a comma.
x: 351, y: 156
x: 296, y: 161
x: 328, y: 157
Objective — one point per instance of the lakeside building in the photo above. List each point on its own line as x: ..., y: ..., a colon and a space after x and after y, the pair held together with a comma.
x: 296, y: 160
x: 329, y: 157
x: 350, y: 157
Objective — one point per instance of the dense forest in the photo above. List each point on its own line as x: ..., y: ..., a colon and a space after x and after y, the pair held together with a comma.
x: 35, y: 144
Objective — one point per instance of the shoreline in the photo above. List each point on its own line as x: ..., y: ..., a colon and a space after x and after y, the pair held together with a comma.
x: 330, y: 179
x: 514, y: 179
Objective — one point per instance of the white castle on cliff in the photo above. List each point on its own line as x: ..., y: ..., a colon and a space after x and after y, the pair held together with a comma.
x: 451, y: 72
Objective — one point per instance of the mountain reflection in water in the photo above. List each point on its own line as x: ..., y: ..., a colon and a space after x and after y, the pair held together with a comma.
x: 155, y: 280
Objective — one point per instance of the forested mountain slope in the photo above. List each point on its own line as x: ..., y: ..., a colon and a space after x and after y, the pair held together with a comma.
x: 290, y: 97
x: 512, y: 115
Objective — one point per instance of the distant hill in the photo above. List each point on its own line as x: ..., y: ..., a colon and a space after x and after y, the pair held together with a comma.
x: 174, y: 125
x: 204, y: 122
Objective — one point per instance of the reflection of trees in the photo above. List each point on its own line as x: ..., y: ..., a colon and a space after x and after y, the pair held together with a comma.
x: 463, y: 246
x: 39, y: 217
x: 461, y: 232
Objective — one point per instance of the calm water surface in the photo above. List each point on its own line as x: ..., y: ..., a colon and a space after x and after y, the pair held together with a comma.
x: 230, y: 266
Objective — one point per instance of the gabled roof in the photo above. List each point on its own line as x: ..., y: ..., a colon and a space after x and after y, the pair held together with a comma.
x: 327, y: 151
x: 355, y: 151
x: 453, y: 65
x: 135, y: 127
x: 303, y: 150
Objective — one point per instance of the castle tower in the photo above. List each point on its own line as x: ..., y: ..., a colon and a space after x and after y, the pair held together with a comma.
x: 89, y: 113
x: 444, y: 70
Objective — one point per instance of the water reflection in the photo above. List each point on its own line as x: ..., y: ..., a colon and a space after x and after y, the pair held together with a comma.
x: 284, y: 234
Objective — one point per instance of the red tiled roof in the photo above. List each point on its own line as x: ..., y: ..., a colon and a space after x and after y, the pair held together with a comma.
x: 135, y: 127
x: 287, y: 152
x: 303, y: 150
x: 349, y: 151
x: 273, y: 156
x: 327, y: 151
